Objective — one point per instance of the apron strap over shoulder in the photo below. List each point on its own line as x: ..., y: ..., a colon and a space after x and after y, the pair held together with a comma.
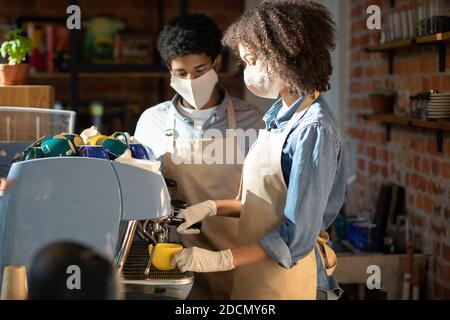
x: 170, y: 130
x: 306, y: 103
x: 231, y: 115
x: 170, y: 125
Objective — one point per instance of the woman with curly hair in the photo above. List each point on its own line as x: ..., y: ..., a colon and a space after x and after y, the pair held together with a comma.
x: 293, y: 181
x: 178, y: 131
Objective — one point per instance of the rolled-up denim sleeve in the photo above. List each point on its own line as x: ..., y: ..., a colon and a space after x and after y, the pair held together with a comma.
x: 314, y: 165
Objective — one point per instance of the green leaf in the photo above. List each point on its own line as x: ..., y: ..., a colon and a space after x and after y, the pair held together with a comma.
x: 17, y: 47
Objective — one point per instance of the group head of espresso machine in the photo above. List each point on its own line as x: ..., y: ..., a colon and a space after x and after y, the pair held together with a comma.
x: 157, y: 230
x: 116, y: 209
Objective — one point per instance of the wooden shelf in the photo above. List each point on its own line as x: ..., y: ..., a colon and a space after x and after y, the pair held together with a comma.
x: 49, y: 75
x: 387, y: 118
x: 438, y: 39
x: 406, y: 120
x: 87, y: 75
x: 392, y: 119
x: 433, y: 38
x: 390, y: 46
x: 429, y: 39
x: 120, y: 68
x: 431, y: 124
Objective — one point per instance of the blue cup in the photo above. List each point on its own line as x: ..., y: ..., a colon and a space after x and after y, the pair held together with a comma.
x: 93, y: 152
x: 138, y: 151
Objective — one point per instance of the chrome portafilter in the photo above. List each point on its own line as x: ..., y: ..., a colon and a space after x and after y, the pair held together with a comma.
x: 156, y: 230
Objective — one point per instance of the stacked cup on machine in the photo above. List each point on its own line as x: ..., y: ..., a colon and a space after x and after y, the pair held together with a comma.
x: 90, y: 143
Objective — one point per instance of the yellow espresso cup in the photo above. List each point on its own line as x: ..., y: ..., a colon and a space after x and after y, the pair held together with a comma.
x: 162, y: 254
x: 96, y: 140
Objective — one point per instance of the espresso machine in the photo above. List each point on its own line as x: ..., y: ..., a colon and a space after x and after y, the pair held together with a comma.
x: 115, y: 208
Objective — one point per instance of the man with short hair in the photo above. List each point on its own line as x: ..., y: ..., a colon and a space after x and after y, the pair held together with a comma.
x: 178, y: 132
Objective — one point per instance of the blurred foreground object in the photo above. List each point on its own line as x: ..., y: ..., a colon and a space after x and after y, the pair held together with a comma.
x: 14, y: 285
x: 54, y: 269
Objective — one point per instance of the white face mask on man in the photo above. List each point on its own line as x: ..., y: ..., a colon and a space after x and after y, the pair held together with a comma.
x: 198, y: 91
x: 262, y: 83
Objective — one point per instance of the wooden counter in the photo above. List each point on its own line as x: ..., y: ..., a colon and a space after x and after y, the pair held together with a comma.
x: 24, y: 127
x: 352, y: 269
x: 27, y: 96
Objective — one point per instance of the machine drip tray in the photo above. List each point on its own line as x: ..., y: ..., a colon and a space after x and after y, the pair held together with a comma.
x: 136, y: 262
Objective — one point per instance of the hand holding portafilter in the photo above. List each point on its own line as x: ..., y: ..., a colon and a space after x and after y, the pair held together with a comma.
x: 195, y: 214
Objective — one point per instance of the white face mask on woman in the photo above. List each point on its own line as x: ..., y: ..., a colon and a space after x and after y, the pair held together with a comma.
x: 197, y: 91
x: 262, y: 83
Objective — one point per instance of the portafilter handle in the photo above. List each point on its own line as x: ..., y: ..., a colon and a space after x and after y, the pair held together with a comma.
x: 178, y: 205
x: 174, y: 221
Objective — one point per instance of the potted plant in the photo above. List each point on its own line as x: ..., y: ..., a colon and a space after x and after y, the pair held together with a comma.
x: 382, y: 100
x: 15, y: 49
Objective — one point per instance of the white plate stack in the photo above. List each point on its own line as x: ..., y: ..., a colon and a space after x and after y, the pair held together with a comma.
x: 439, y: 106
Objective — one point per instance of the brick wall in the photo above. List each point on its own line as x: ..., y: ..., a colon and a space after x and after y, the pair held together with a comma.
x: 140, y: 16
x: 410, y: 158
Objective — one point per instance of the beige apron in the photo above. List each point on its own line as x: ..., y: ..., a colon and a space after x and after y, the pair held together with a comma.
x: 263, y: 195
x: 198, y: 180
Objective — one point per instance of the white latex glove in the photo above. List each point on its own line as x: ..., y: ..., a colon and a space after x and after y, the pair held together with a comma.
x: 201, y: 260
x: 194, y: 214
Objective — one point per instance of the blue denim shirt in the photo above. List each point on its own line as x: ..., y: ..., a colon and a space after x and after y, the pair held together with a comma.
x: 312, y: 162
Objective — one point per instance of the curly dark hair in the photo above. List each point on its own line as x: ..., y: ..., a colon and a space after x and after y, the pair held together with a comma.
x: 189, y: 34
x: 294, y: 37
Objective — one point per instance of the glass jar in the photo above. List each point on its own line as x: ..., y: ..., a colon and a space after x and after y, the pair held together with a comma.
x: 438, y: 16
x: 421, y: 17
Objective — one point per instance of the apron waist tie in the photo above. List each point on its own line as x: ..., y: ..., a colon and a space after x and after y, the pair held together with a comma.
x: 327, y: 254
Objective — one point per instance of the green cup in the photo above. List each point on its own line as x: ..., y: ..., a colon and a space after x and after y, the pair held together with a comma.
x: 43, y: 140
x: 121, y: 136
x: 74, y: 138
x: 58, y: 147
x: 33, y: 153
x: 115, y: 148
